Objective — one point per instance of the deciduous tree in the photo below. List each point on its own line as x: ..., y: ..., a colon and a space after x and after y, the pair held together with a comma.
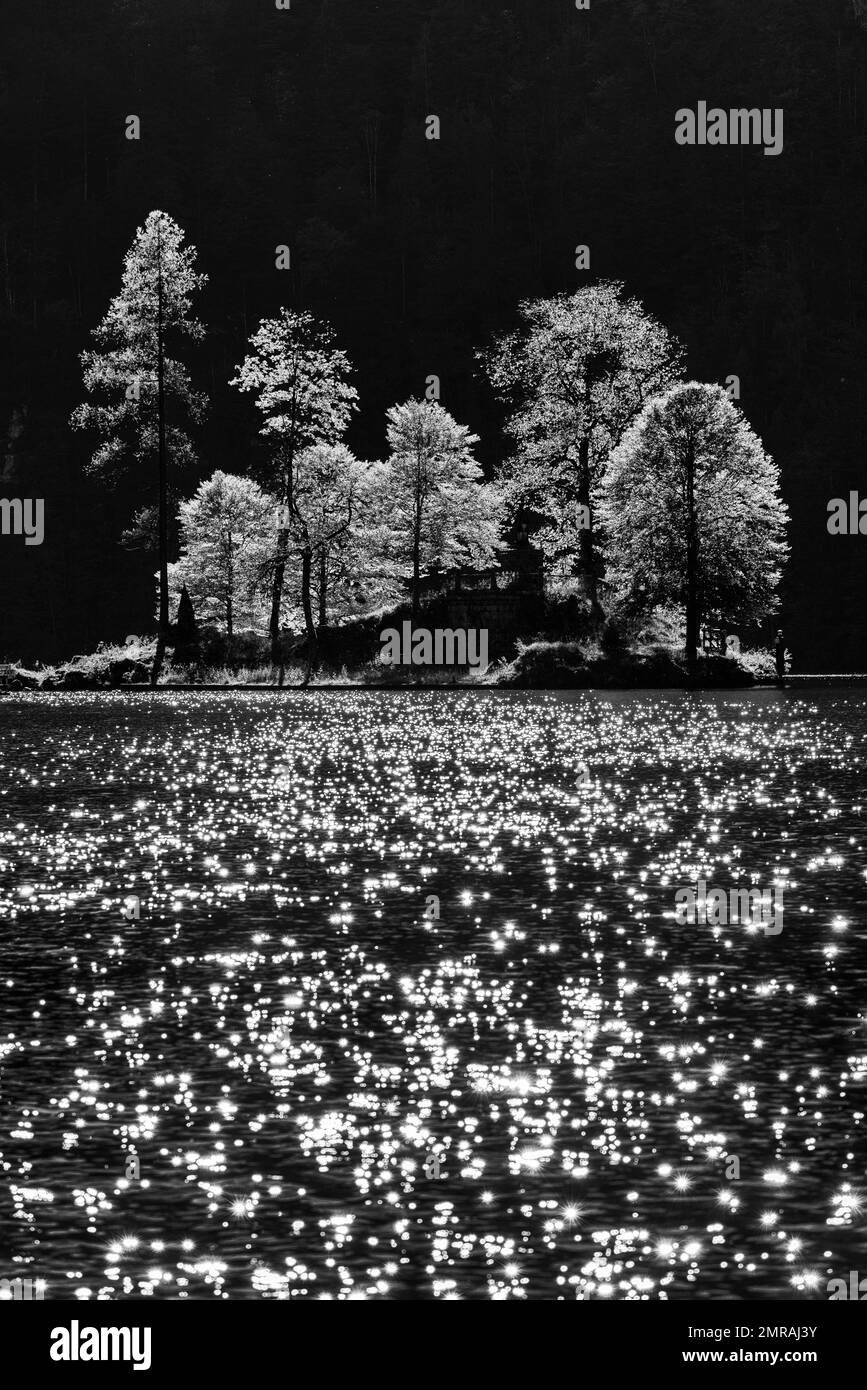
x: 327, y: 496
x: 443, y: 511
x: 574, y: 376
x: 227, y: 541
x: 302, y: 389
x: 693, y: 511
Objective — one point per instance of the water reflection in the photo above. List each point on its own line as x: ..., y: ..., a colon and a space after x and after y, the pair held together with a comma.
x: 290, y: 1078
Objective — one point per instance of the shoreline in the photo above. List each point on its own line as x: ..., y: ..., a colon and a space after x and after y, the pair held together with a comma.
x: 837, y: 681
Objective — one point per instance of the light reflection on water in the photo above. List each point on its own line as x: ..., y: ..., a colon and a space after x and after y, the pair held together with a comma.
x: 293, y: 1046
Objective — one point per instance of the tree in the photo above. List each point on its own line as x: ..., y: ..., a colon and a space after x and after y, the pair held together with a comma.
x: 186, y: 628
x: 363, y: 571
x: 226, y: 546
x: 574, y: 376
x: 443, y: 512
x: 693, y: 510
x: 143, y: 394
x: 329, y: 495
x: 303, y: 392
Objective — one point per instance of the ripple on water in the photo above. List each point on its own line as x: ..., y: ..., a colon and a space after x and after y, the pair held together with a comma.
x: 403, y: 1008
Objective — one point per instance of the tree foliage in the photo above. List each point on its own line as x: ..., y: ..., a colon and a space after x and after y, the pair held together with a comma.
x: 574, y: 376
x: 147, y: 388
x: 301, y: 384
x: 227, y: 532
x: 693, y: 511
x: 443, y: 513
x: 302, y: 390
x: 328, y: 509
x: 121, y: 371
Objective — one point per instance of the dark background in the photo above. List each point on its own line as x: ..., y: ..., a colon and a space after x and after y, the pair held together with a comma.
x: 307, y: 127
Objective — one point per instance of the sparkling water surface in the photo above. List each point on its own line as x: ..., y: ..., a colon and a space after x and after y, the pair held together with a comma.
x: 405, y: 1011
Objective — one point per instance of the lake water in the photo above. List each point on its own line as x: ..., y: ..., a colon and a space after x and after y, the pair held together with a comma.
x: 404, y: 1009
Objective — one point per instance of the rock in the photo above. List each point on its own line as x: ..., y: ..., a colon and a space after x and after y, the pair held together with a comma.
x: 75, y: 680
x: 24, y: 680
x: 126, y: 671
x: 547, y: 667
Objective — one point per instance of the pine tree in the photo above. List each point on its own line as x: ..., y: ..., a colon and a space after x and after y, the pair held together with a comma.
x: 186, y: 628
x: 693, y: 511
x: 144, y: 396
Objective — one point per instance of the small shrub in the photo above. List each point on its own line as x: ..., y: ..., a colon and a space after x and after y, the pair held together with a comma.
x: 759, y: 662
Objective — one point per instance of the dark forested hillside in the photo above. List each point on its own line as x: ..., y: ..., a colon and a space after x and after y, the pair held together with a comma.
x: 306, y: 127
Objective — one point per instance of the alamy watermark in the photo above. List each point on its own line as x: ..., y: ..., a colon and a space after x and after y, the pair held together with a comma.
x: 852, y: 1291
x: 23, y: 518
x: 718, y: 908
x: 847, y: 518
x: 21, y: 1290
x: 77, y: 1343
x: 736, y: 127
x: 442, y: 647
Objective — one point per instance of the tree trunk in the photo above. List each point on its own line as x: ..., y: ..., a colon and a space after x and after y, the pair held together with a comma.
x: 587, y: 549
x: 416, y: 559
x: 287, y: 511
x: 277, y: 596
x: 230, y: 589
x: 163, y: 627
x: 323, y: 588
x: 312, y: 644
x: 692, y: 601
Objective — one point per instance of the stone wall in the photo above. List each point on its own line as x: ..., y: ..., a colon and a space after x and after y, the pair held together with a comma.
x: 506, y: 615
